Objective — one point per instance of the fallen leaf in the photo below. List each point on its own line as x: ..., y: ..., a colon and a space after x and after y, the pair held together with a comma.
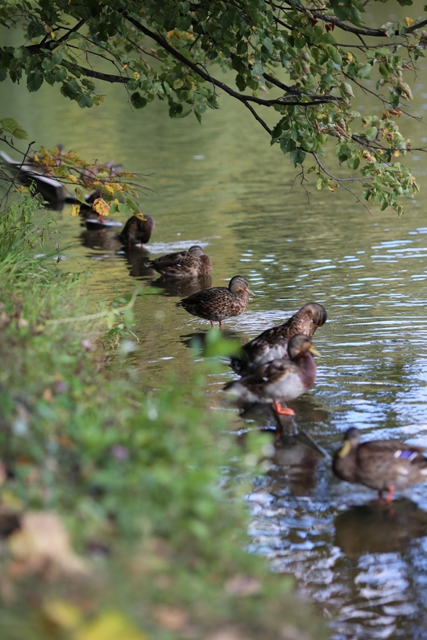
x: 42, y: 544
x: 110, y: 626
x: 75, y: 210
x: 62, y: 614
x: 171, y: 618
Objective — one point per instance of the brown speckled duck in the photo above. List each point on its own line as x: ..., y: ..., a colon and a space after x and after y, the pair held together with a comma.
x: 273, y: 343
x: 183, y: 264
x: 384, y: 465
x: 137, y: 230
x: 218, y: 303
x: 280, y: 380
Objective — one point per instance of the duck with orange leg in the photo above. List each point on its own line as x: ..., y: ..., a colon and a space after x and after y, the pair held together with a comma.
x: 384, y: 465
x: 218, y: 303
x: 279, y: 380
x: 273, y: 343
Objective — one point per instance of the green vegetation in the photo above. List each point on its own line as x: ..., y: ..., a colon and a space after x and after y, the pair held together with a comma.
x: 114, y: 518
x: 295, y: 66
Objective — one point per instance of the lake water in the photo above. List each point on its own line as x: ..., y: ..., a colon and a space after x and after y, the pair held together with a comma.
x: 222, y: 186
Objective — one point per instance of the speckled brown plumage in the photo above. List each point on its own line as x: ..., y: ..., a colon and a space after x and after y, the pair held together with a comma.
x: 384, y: 465
x: 137, y: 230
x: 218, y: 303
x: 183, y: 264
x: 273, y: 343
x: 279, y: 380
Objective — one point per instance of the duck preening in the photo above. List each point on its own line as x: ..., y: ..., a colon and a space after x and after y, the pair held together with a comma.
x: 384, y: 465
x: 218, y: 303
x: 279, y: 380
x: 273, y: 343
x: 183, y: 264
x: 137, y: 230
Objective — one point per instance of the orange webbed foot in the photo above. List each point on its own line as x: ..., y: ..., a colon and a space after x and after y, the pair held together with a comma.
x: 283, y: 411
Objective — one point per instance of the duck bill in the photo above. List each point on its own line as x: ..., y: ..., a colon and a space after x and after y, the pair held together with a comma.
x: 314, y: 351
x: 251, y: 292
x: 345, y: 449
x: 314, y: 326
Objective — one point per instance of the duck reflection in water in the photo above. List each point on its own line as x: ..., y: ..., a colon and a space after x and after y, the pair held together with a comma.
x: 137, y: 258
x: 99, y: 239
x: 199, y: 340
x: 294, y: 464
x: 369, y: 529
x: 181, y: 286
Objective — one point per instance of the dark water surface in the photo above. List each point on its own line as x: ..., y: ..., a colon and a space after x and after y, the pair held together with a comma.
x: 220, y: 185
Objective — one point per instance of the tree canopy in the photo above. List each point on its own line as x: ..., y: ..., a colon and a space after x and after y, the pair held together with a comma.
x: 293, y: 64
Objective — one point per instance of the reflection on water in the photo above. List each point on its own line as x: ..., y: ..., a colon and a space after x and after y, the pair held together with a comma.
x: 365, y: 565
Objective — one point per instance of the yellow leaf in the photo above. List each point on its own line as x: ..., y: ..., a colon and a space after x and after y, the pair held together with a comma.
x: 110, y: 626
x: 101, y: 206
x: 109, y: 189
x: 75, y: 210
x: 136, y: 75
x: 139, y: 215
x: 62, y: 614
x: 409, y: 22
x: 36, y: 158
x: 125, y: 66
x: 72, y: 178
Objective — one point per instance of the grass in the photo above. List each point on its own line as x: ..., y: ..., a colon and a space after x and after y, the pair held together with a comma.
x: 115, y: 519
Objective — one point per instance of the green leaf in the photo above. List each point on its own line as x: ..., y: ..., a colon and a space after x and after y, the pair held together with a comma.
x: 257, y: 69
x: 267, y: 43
x: 11, y: 126
x: 85, y: 101
x: 240, y: 82
x: 71, y: 89
x: 365, y: 71
x: 287, y: 145
x: 297, y: 156
x: 34, y: 82
x: 137, y: 100
x: 371, y: 133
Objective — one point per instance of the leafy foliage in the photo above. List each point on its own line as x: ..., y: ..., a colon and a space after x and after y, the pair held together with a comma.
x: 122, y: 523
x: 293, y: 51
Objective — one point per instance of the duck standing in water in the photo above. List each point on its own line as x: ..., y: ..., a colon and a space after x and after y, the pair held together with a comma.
x: 280, y: 380
x: 218, y: 303
x: 183, y: 264
x: 273, y: 343
x: 137, y: 230
x: 384, y: 465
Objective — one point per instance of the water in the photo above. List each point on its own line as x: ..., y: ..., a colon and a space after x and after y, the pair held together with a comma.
x: 221, y: 185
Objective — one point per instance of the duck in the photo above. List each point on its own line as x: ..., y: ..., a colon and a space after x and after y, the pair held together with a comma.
x: 137, y: 230
x: 383, y: 465
x: 273, y: 343
x: 183, y: 264
x: 218, y: 303
x: 281, y: 379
